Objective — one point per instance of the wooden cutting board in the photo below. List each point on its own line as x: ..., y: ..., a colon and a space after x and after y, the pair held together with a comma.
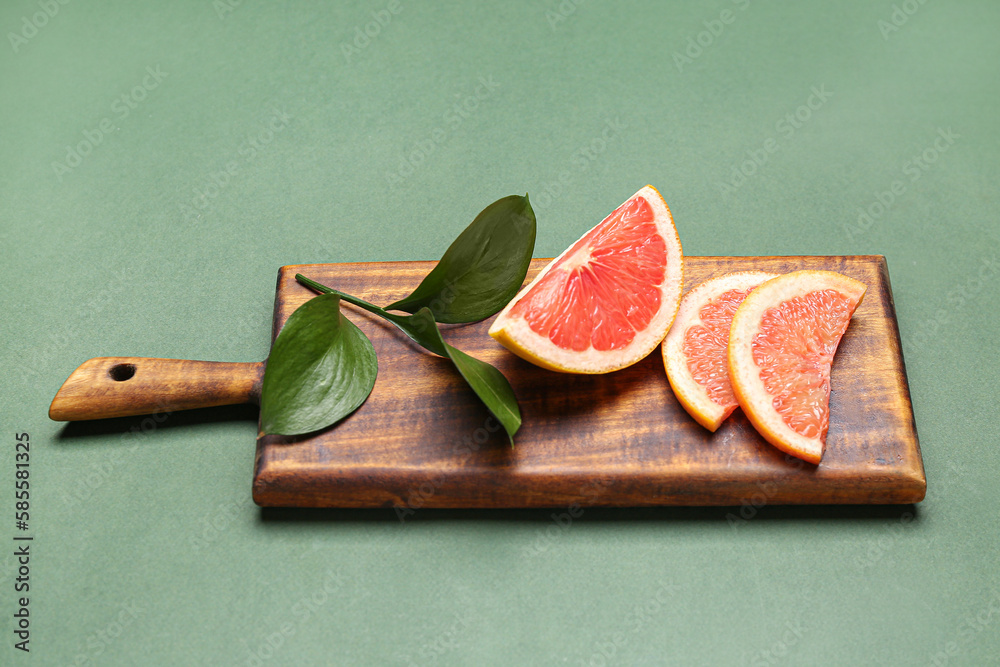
x: 423, y: 439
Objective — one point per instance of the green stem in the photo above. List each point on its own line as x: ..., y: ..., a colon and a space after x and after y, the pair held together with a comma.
x: 494, y: 392
x: 418, y: 327
x: 360, y: 303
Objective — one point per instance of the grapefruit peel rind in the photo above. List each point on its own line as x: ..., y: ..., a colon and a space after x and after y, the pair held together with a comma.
x: 515, y: 334
x: 693, y: 396
x: 744, y: 373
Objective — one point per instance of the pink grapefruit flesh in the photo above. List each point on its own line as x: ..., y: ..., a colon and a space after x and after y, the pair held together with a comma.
x: 605, y: 302
x: 694, y: 352
x: 781, y: 347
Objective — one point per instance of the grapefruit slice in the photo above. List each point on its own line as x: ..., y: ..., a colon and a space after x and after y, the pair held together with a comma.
x: 781, y: 346
x: 694, y: 352
x: 607, y: 301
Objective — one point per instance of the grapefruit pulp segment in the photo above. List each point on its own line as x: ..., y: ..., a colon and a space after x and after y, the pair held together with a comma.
x: 695, y: 349
x: 607, y: 300
x: 782, y: 343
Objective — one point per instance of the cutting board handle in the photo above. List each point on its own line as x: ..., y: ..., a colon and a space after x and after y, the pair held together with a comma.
x: 125, y: 386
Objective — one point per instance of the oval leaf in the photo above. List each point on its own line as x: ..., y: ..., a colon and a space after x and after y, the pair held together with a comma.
x: 490, y: 385
x: 482, y: 269
x: 421, y: 328
x: 321, y: 369
x: 492, y: 388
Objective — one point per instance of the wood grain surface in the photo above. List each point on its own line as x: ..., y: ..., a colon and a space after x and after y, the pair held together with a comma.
x: 423, y: 439
x: 124, y: 386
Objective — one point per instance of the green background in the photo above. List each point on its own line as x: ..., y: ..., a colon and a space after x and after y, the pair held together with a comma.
x: 148, y: 549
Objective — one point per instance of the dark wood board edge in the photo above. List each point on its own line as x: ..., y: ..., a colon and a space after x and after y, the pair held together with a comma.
x: 917, y: 462
x: 282, y: 488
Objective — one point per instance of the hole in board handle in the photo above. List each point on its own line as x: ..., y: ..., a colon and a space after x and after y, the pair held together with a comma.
x: 121, y: 372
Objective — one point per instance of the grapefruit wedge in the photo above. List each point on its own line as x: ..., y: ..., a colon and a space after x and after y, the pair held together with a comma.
x: 781, y: 346
x: 607, y: 301
x: 695, y: 350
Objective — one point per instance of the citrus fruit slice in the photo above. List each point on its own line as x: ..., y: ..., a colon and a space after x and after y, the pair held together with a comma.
x: 605, y: 302
x: 781, y: 346
x: 694, y: 352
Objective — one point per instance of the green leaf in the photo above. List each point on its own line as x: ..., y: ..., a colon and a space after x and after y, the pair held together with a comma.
x: 420, y: 327
x: 321, y: 369
x: 483, y: 268
x: 490, y: 385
